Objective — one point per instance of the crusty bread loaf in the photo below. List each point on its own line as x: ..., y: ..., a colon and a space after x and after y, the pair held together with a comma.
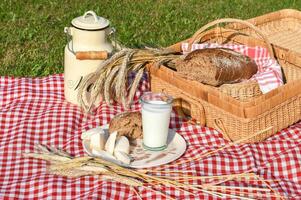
x: 128, y: 124
x: 216, y: 66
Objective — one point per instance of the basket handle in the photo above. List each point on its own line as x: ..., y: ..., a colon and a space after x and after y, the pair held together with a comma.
x: 198, y: 35
x: 218, y: 122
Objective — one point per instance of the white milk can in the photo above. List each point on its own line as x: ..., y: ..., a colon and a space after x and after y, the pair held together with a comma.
x: 87, y: 47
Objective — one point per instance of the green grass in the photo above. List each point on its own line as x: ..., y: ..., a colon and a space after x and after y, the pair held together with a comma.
x: 32, y: 37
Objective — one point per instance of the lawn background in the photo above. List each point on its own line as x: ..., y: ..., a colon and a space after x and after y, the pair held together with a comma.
x: 32, y: 35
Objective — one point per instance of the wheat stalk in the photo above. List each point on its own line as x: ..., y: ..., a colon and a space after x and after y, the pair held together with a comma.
x: 108, y: 84
x: 134, y: 85
x: 120, y: 86
x: 137, y: 193
x: 203, y: 155
x: 82, y: 91
x: 64, y: 164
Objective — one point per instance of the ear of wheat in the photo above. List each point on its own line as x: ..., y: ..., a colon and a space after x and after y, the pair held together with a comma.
x: 111, y: 77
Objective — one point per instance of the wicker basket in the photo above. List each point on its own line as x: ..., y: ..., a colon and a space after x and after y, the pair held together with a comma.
x: 236, y: 119
x: 282, y: 27
x: 245, y: 90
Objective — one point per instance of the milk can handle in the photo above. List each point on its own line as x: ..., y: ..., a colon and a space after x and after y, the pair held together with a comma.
x: 90, y: 12
x: 112, y: 34
x: 69, y: 39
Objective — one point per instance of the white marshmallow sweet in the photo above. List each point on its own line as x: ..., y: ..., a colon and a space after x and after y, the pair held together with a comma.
x: 123, y: 157
x: 122, y: 145
x: 87, y: 134
x: 102, y: 153
x: 110, y: 144
x: 97, y: 141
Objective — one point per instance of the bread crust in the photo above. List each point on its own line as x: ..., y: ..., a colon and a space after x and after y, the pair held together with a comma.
x: 128, y: 124
x: 216, y: 66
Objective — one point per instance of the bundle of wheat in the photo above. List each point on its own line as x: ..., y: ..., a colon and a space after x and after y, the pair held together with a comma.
x: 64, y: 164
x: 111, y: 78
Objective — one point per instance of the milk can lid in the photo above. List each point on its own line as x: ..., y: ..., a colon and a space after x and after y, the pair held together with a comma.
x: 90, y: 21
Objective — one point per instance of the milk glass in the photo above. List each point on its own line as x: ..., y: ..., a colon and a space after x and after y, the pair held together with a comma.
x: 156, y: 110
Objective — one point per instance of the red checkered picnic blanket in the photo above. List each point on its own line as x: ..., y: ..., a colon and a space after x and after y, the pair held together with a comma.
x: 33, y: 110
x: 269, y: 75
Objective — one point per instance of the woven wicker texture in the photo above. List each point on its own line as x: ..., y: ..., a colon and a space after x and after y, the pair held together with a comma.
x: 283, y: 28
x: 236, y: 119
x: 232, y: 127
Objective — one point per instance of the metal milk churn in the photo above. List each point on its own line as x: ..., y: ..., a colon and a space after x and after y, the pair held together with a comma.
x: 88, y: 45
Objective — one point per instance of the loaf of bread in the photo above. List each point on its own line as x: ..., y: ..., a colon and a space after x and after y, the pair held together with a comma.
x: 216, y: 66
x: 128, y: 124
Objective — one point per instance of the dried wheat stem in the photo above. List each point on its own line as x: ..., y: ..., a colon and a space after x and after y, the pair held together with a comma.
x: 103, y: 67
x: 59, y: 152
x: 50, y: 150
x: 113, y: 59
x: 62, y: 166
x: 135, y: 69
x: 160, y: 62
x: 107, y: 85
x: 121, y: 76
x: 48, y: 157
x: 98, y: 169
x: 121, y: 83
x: 97, y: 90
x: 196, y: 158
x: 171, y: 183
x: 232, y: 196
x: 190, y: 171
x: 134, y: 85
x: 137, y: 193
x: 186, y: 178
x: 252, y: 170
x: 179, y: 186
x: 269, y: 186
x: 213, y: 193
x: 138, y: 66
x: 82, y: 90
x: 258, y: 194
x: 161, y: 51
x: 74, y: 163
x: 225, y: 180
x: 234, y: 188
x: 125, y: 180
x: 84, y: 166
x: 98, y: 85
x: 117, y: 168
x: 222, y: 195
x: 161, y: 193
x: 74, y: 173
x: 176, y: 186
x: 42, y: 148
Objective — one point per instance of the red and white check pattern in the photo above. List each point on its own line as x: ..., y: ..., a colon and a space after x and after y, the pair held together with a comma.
x: 34, y: 111
x: 269, y: 75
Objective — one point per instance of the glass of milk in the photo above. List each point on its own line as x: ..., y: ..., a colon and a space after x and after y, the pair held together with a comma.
x: 156, y: 109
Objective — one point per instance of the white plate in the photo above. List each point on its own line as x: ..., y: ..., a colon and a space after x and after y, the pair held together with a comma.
x: 176, y: 146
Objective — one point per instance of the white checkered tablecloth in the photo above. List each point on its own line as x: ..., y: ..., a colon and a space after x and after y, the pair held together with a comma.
x: 269, y: 75
x: 34, y: 111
